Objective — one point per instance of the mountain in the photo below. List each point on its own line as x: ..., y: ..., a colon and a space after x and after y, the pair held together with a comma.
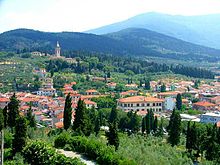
x: 202, y: 30
x: 132, y: 42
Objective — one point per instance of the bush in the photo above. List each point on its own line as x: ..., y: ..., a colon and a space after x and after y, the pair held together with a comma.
x: 98, y: 151
x: 7, y: 139
x: 62, y: 140
x: 37, y: 152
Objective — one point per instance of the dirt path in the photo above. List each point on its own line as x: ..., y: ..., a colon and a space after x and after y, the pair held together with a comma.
x: 76, y: 155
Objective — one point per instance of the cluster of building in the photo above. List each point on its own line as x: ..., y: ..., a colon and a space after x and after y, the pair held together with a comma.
x: 48, y: 108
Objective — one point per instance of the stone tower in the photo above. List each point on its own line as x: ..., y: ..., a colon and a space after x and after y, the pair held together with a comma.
x: 57, y: 50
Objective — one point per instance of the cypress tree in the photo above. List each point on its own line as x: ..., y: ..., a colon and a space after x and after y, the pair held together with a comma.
x: 148, y: 128
x: 151, y: 119
x: 113, y: 115
x: 163, y: 88
x: 188, y: 138
x: 134, y: 123
x: 155, y: 125
x: 20, y: 135
x: 5, y: 114
x: 179, y: 101
x: 67, y: 116
x: 82, y: 123
x: 97, y: 126
x: 143, y: 125
x: 30, y: 118
x: 13, y: 111
x: 112, y: 135
x: 160, y: 129
x: 174, y: 128
x: 147, y: 85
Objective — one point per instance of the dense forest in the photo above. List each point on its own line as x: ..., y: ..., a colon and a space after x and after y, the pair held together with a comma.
x: 128, y: 65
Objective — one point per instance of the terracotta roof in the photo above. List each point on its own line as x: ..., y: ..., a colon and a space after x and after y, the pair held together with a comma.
x: 90, y: 102
x: 60, y: 115
x: 218, y: 124
x: 204, y: 104
x: 3, y: 99
x: 59, y: 124
x: 139, y: 99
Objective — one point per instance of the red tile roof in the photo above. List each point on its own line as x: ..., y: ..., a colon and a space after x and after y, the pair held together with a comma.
x: 3, y: 99
x: 204, y: 104
x: 139, y: 99
x: 59, y: 124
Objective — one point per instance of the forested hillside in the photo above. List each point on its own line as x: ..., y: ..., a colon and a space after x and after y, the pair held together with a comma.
x: 129, y: 42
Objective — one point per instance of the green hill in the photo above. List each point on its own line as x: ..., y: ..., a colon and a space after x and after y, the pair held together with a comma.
x: 128, y: 42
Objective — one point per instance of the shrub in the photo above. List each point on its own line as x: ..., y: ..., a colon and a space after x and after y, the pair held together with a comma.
x: 37, y: 152
x: 98, y: 151
x: 62, y: 140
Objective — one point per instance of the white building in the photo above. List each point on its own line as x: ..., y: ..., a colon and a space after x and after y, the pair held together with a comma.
x: 169, y: 103
x: 210, y: 117
x: 140, y: 103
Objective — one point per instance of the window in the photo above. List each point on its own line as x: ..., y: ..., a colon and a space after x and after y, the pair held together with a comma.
x: 148, y: 104
x: 128, y: 105
x: 153, y: 104
x: 125, y: 105
x: 142, y: 105
x: 137, y: 110
x: 137, y: 105
x: 131, y: 105
x: 159, y: 104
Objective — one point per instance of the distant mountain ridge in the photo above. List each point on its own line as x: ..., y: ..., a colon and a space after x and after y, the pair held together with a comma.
x: 202, y: 30
x: 132, y: 42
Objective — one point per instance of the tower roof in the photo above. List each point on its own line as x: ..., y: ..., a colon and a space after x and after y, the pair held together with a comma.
x: 58, y: 45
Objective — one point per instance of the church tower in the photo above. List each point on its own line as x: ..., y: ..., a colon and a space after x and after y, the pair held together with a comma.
x: 57, y: 50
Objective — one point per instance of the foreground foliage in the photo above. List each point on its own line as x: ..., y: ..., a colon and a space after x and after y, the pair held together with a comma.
x: 40, y: 153
x: 95, y: 150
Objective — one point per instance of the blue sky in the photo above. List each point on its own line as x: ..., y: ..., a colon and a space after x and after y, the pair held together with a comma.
x: 81, y: 15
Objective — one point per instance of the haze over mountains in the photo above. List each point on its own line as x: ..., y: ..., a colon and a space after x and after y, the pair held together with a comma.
x: 202, y: 30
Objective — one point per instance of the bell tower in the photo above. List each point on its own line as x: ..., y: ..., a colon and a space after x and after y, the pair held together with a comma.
x: 57, y: 50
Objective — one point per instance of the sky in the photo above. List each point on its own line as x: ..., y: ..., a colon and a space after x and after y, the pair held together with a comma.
x: 82, y: 15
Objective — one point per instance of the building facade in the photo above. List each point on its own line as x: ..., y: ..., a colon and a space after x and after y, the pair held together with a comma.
x: 140, y: 103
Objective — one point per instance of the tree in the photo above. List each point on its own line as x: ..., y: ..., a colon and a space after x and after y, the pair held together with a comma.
x: 20, y: 135
x: 1, y: 119
x: 30, y: 118
x: 109, y: 75
x: 188, y: 138
x: 160, y: 129
x: 134, y: 124
x: 13, y: 111
x: 155, y: 125
x: 113, y: 115
x: 163, y: 88
x: 143, y: 125
x: 97, y: 126
x: 179, y: 101
x: 148, y: 128
x: 67, y: 116
x: 147, y: 85
x: 112, y: 135
x: 5, y: 114
x: 82, y: 123
x: 174, y: 128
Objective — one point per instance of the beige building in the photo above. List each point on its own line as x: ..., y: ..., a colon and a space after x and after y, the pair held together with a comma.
x: 140, y: 103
